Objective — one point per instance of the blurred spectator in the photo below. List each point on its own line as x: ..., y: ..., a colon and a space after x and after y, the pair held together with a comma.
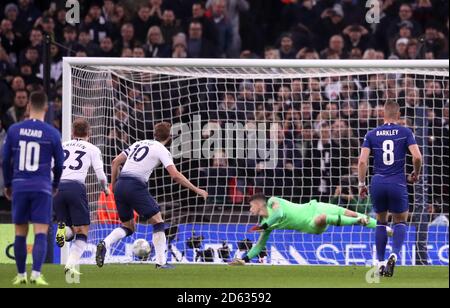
x: 70, y: 43
x: 127, y: 38
x: 224, y: 28
x: 356, y: 37
x: 271, y: 53
x: 335, y: 48
x: 95, y: 24
x: 28, y: 13
x: 108, y: 10
x: 216, y: 178
x: 347, y: 195
x: 233, y: 10
x: 308, y: 54
x: 86, y: 43
x: 143, y: 21
x: 197, y: 45
x: 11, y: 13
x: 322, y: 154
x: 5, y: 205
x: 208, y: 26
x: 9, y: 40
x: 364, y: 121
x: 17, y: 112
x: 179, y: 46
x: 6, y: 67
x: 405, y: 14
x: 138, y: 52
x: 401, y: 49
x: 155, y: 46
x: 287, y: 47
x: 276, y: 175
x: 332, y: 24
x: 107, y: 48
x: 435, y: 41
x: 170, y: 26
x: 55, y: 65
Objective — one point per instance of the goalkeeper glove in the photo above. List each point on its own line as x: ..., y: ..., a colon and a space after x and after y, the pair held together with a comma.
x: 239, y: 262
x: 258, y: 228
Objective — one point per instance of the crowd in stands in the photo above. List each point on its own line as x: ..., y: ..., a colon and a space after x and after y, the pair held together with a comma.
x: 315, y: 115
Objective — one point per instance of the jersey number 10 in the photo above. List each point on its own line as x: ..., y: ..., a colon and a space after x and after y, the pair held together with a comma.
x: 388, y: 153
x: 29, y: 156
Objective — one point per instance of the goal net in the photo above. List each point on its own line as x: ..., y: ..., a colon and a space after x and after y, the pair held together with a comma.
x: 291, y: 129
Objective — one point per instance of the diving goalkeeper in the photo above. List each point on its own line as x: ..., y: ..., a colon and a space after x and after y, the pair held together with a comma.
x: 313, y: 218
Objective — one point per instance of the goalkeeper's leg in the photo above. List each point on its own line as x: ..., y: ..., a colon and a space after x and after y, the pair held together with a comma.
x: 330, y: 214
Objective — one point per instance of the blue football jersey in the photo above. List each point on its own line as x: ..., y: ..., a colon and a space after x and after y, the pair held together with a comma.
x: 389, y: 146
x: 29, y: 151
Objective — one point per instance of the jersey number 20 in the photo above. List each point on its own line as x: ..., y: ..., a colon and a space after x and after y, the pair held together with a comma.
x: 388, y: 153
x: 29, y: 156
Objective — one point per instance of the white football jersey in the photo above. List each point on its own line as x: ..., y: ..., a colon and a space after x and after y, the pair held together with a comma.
x: 143, y: 157
x: 79, y: 155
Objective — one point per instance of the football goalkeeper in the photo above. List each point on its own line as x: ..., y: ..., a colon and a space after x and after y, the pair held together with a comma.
x: 313, y: 218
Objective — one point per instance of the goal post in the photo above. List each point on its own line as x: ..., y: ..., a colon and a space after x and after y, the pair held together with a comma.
x: 290, y: 128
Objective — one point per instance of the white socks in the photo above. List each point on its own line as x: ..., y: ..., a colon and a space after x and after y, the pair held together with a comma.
x: 159, y: 241
x: 115, y: 236
x: 69, y: 233
x: 35, y: 275
x: 76, y: 251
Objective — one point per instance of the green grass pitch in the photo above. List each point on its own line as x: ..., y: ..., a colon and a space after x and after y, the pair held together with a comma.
x: 216, y: 276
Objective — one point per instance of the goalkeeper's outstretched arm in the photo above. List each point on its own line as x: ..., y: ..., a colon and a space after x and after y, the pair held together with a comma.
x: 255, y: 251
x: 259, y: 246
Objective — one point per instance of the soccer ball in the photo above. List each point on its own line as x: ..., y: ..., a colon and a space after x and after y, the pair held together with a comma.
x: 141, y: 249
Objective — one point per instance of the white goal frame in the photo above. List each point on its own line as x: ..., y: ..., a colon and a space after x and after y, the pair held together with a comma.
x: 312, y: 66
x: 222, y: 63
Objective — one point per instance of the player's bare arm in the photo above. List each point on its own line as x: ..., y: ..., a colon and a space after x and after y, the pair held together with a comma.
x: 414, y: 177
x: 362, y: 172
x: 115, y: 168
x: 178, y: 177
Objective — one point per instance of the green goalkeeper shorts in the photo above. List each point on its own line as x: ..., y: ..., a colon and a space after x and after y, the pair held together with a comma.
x: 320, y: 208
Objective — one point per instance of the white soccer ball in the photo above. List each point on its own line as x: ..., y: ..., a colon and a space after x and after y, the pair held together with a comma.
x: 141, y: 249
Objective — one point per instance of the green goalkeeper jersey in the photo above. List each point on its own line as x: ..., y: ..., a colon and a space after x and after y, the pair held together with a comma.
x: 292, y: 216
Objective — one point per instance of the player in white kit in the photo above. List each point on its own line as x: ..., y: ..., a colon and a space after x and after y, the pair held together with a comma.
x: 71, y: 204
x: 131, y: 191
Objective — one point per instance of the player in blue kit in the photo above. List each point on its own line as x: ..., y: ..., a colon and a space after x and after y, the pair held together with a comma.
x: 29, y: 149
x: 389, y: 144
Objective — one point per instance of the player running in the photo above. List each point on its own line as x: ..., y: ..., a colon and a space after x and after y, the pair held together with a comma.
x: 131, y: 191
x: 71, y: 204
x: 389, y: 144
x: 313, y: 218
x: 30, y: 147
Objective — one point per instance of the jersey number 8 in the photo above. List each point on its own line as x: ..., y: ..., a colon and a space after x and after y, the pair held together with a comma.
x: 388, y: 152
